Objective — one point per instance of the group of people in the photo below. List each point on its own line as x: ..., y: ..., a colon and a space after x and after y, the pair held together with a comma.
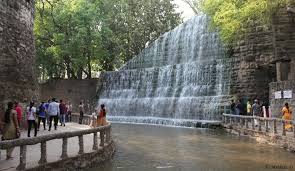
x: 261, y: 110
x: 98, y: 117
x: 34, y: 115
x: 255, y: 108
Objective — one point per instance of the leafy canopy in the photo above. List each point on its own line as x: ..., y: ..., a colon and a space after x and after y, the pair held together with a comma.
x: 76, y: 38
x: 232, y: 17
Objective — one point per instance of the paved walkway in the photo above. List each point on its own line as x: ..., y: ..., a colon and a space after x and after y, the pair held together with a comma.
x: 53, y: 147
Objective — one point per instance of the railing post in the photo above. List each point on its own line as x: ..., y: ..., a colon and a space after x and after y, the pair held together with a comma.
x: 108, y: 135
x: 259, y: 125
x: 241, y: 122
x: 230, y: 120
x: 246, y: 123
x: 22, y: 158
x: 64, y: 152
x: 284, y: 130
x: 266, y: 126
x: 81, y: 145
x: 43, y: 158
x: 253, y: 123
x: 275, y: 131
x: 94, y: 141
x: 101, y: 134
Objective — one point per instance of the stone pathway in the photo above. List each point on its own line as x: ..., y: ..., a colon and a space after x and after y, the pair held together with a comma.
x: 53, y: 147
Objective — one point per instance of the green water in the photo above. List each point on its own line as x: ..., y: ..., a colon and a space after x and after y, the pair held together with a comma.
x: 150, y: 147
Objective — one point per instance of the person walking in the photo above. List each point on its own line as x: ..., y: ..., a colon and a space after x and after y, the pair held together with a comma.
x: 249, y: 108
x: 93, y: 119
x: 42, y: 116
x: 32, y: 119
x: 69, y: 108
x: 19, y: 112
x: 46, y: 111
x: 233, y: 107
x: 81, y: 109
x: 239, y: 108
x: 53, y: 112
x: 287, y: 115
x: 63, y: 112
x: 256, y: 111
x: 11, y: 128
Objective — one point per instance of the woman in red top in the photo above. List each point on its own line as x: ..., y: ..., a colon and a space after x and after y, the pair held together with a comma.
x: 19, y: 113
x: 101, y: 118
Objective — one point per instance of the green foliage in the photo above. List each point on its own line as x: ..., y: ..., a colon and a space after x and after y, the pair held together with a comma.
x: 232, y: 17
x: 80, y: 37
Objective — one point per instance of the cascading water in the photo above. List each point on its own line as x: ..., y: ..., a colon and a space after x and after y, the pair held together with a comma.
x: 181, y: 78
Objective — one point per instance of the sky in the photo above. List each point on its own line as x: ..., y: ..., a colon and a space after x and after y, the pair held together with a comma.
x: 187, y: 12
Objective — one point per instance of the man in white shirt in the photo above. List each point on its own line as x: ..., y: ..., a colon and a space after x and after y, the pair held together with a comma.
x: 53, y: 111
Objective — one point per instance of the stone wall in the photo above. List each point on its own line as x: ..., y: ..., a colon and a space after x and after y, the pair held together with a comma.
x: 284, y: 40
x: 277, y: 104
x: 82, y: 161
x: 17, y: 52
x: 284, y: 35
x: 252, y: 70
x: 71, y: 90
x: 264, y: 57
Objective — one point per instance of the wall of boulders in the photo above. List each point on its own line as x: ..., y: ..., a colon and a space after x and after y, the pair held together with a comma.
x: 264, y: 56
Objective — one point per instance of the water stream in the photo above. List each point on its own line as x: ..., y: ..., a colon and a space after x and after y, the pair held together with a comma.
x: 150, y: 147
x: 185, y: 74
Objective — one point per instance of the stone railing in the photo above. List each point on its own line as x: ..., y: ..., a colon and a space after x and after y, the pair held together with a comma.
x: 265, y: 125
x: 105, y: 140
x: 85, y: 121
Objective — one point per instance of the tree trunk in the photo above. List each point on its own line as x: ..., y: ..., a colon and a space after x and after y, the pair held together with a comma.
x: 89, y: 67
x: 80, y: 73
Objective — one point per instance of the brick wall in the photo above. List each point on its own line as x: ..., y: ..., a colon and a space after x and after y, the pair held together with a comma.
x: 71, y: 90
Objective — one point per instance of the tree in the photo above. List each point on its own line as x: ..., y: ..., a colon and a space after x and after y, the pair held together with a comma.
x: 77, y: 37
x: 133, y: 24
x: 195, y: 5
x: 233, y: 17
x: 67, y: 40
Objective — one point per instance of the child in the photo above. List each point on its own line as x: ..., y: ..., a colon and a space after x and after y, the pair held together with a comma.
x: 93, y: 120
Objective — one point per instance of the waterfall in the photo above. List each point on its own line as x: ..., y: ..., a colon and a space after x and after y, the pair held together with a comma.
x: 183, y: 76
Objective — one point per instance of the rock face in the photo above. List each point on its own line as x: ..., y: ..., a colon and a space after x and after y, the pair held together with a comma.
x: 285, y: 60
x: 264, y: 56
x: 17, y: 51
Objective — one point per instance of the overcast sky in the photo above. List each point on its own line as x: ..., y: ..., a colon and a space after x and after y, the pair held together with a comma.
x: 187, y: 12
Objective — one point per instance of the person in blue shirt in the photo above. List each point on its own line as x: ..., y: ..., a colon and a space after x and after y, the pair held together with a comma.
x: 46, y: 110
x: 42, y: 115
